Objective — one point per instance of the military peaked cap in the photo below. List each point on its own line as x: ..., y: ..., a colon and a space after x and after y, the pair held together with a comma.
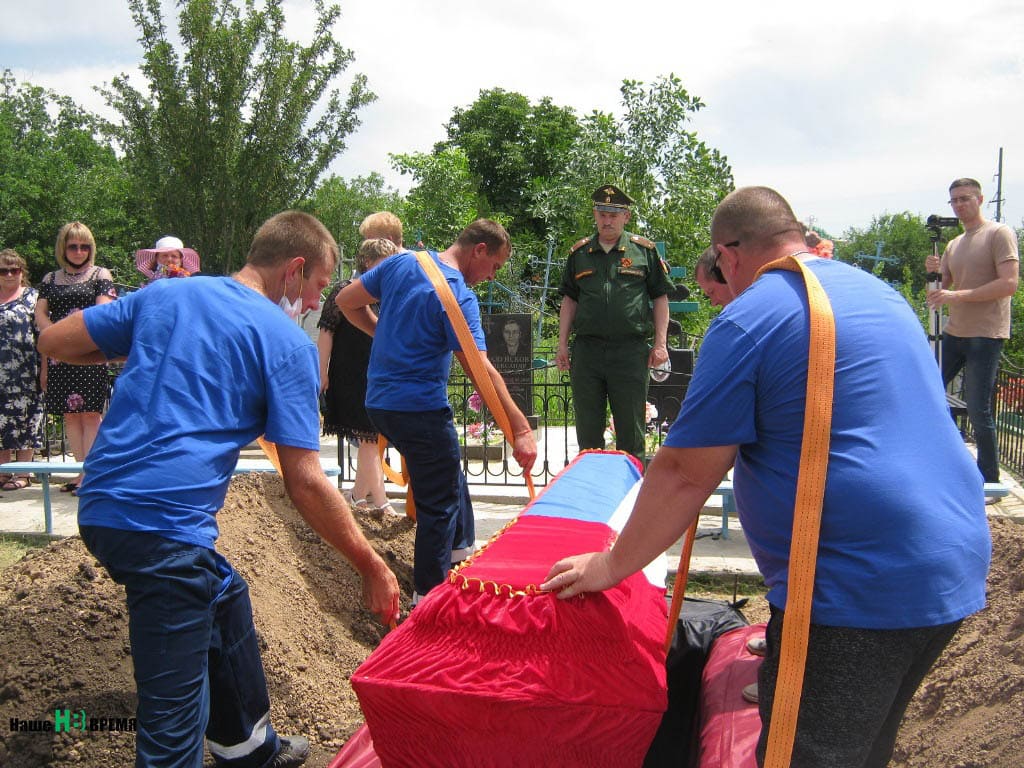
x: 610, y: 198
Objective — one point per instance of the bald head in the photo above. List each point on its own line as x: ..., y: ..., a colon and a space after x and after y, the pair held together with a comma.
x: 751, y: 227
x: 756, y: 216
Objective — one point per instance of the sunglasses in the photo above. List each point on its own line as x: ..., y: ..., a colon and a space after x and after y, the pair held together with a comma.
x: 83, y: 247
x: 8, y: 271
x: 715, y: 273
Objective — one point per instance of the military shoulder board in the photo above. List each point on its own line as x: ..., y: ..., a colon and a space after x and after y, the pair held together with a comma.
x: 579, y: 244
x: 643, y: 242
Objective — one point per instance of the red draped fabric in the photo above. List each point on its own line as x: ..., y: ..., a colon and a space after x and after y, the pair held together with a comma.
x: 730, y: 726
x: 487, y: 671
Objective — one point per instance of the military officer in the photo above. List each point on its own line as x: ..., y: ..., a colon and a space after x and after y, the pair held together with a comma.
x: 610, y: 281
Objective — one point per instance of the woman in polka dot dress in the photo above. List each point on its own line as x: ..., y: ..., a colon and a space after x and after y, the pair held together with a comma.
x: 79, y: 392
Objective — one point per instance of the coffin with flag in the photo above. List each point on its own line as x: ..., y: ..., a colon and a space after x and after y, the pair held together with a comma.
x: 489, y: 671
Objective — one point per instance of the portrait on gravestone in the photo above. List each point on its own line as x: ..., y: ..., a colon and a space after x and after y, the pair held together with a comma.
x: 510, y: 349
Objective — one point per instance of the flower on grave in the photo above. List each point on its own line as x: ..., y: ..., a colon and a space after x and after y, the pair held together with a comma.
x: 651, y: 430
x: 484, y: 431
x: 75, y: 402
x: 650, y: 413
x: 475, y: 402
x: 1011, y: 394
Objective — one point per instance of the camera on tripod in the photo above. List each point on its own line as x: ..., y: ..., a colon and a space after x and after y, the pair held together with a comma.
x: 935, y: 224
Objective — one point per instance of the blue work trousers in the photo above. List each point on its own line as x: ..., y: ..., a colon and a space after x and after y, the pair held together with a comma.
x: 444, y: 513
x: 979, y: 359
x: 197, y: 662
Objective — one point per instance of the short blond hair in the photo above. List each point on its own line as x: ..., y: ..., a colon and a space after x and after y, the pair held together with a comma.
x: 381, y: 224
x: 78, y: 231
x: 373, y: 250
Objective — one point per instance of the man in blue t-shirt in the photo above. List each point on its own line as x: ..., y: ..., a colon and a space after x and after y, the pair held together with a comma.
x: 212, y: 364
x: 903, y: 550
x: 407, y: 385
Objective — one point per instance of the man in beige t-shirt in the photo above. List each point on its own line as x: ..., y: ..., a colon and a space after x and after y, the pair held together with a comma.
x: 979, y: 275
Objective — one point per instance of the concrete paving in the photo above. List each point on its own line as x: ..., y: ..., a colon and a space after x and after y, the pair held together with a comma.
x: 21, y: 512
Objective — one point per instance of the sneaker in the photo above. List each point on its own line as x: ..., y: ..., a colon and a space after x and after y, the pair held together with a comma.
x: 294, y: 751
x: 750, y: 693
x: 992, y: 499
x: 757, y: 646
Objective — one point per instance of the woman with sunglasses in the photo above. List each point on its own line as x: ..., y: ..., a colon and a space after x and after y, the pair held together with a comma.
x: 21, y: 409
x: 79, y: 392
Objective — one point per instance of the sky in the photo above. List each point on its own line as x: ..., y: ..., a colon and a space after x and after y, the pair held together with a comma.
x: 850, y: 110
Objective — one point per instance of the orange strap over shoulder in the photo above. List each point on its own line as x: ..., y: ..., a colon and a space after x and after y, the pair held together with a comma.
x: 810, y: 494
x: 473, y: 357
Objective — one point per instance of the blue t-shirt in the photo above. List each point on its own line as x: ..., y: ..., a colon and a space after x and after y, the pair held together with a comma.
x: 211, y: 366
x: 904, y: 541
x: 413, y: 344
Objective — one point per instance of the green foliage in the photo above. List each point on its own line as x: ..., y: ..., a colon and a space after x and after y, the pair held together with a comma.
x: 57, y: 169
x: 675, y: 179
x: 342, y: 205
x: 903, y: 236
x: 509, y: 143
x: 443, y: 200
x: 225, y: 136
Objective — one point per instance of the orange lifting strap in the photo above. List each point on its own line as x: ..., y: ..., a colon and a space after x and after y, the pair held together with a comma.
x: 810, y: 493
x: 474, y: 359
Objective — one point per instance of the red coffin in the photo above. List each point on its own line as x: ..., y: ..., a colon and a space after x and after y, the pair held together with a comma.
x: 487, y: 671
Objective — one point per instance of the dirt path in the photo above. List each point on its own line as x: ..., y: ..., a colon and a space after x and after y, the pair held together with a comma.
x: 63, y: 630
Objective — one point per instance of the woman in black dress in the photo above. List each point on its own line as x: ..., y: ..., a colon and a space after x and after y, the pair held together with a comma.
x: 79, y: 392
x: 344, y: 358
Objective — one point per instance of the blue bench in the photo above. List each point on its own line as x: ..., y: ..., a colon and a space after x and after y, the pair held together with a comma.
x: 43, y: 470
x: 994, y: 490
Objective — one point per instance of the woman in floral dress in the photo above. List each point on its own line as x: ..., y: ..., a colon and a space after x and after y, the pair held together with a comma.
x: 21, y: 408
x: 79, y: 392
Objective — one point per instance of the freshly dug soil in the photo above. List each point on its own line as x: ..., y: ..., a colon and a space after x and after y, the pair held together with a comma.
x: 63, y: 631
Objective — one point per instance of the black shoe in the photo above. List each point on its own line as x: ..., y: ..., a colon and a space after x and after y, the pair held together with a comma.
x: 294, y: 751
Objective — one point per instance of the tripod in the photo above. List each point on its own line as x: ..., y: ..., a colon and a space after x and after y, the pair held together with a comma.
x: 935, y: 315
x: 935, y: 224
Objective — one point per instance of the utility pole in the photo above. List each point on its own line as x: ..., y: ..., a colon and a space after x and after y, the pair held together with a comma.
x: 999, y: 188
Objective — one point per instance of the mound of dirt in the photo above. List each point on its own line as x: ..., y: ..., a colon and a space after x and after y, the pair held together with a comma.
x: 63, y: 630
x: 969, y: 712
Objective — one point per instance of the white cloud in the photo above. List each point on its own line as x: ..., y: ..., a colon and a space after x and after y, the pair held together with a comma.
x: 850, y: 110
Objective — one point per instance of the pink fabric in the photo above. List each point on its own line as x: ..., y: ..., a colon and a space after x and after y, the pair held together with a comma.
x: 357, y: 752
x: 730, y: 725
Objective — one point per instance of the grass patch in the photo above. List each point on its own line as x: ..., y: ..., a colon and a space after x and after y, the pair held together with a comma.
x: 13, y: 548
x: 724, y: 586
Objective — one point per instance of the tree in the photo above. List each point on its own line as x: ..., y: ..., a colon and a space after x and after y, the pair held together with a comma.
x: 509, y: 143
x: 675, y: 178
x: 342, y: 205
x: 902, y: 236
x: 225, y: 137
x: 443, y: 200
x: 57, y: 168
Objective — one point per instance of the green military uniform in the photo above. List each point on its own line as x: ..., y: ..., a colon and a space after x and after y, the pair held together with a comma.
x: 613, y: 291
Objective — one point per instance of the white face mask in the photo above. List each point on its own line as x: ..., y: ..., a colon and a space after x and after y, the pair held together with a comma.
x: 292, y: 308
